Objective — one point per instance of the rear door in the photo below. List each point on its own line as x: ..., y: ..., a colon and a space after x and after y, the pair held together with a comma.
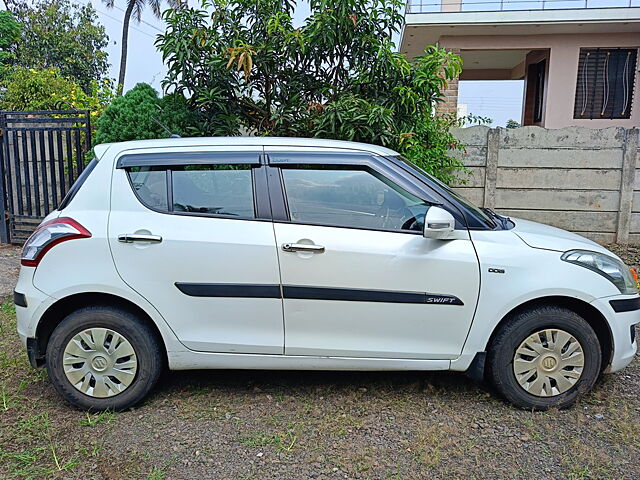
x: 191, y: 232
x: 359, y: 279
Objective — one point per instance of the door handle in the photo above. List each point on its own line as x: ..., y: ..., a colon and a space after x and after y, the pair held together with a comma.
x: 302, y: 247
x: 138, y: 237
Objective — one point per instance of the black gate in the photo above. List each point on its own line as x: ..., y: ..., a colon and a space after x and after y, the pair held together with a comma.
x: 41, y: 155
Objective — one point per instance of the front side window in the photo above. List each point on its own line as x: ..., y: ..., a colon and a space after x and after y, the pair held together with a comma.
x: 350, y: 197
x: 218, y: 189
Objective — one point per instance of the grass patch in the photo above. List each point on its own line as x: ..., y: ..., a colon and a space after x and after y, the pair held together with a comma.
x: 284, y: 442
x: 91, y: 420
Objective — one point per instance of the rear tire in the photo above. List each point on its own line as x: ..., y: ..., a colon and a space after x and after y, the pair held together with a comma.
x: 103, y: 358
x: 544, y: 357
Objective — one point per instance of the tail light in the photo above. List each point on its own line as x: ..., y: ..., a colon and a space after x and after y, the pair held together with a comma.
x: 48, y: 235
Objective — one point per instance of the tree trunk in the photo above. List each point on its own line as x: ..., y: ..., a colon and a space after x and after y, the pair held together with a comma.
x: 125, y: 44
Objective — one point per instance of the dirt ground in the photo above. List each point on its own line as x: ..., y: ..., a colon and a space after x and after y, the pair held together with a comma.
x: 303, y: 425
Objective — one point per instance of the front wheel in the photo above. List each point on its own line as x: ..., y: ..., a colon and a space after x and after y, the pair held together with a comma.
x: 544, y: 357
x: 101, y: 358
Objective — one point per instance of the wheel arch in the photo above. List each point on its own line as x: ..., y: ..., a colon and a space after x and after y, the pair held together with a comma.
x: 588, y: 312
x: 57, y: 312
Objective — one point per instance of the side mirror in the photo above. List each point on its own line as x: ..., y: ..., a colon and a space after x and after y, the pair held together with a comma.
x: 439, y: 224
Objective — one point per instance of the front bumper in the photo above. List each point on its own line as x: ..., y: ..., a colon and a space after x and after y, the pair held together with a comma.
x: 622, y: 313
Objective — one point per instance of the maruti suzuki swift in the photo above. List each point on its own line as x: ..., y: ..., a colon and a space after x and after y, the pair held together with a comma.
x: 305, y: 254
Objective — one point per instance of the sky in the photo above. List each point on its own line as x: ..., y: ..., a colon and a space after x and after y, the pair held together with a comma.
x: 498, y: 100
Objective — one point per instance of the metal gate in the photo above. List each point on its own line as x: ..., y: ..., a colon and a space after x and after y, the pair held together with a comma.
x: 41, y: 155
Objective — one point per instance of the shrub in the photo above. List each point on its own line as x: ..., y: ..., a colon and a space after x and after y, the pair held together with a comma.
x: 139, y: 114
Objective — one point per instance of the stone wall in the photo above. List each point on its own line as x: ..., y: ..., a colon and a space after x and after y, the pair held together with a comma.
x: 579, y: 179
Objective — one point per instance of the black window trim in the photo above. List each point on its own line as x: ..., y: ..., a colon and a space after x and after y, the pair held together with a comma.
x: 357, y: 160
x: 315, y: 157
x: 170, y: 159
x: 362, y: 160
x: 261, y: 200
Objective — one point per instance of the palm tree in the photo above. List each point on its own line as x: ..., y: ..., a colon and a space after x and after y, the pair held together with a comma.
x: 134, y: 9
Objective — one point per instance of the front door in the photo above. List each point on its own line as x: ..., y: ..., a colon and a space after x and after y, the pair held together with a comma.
x: 359, y: 279
x: 188, y: 233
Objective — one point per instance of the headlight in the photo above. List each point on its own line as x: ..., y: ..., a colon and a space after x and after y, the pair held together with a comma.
x: 611, y: 268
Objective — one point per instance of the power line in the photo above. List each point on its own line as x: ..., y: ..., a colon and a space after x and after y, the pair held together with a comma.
x: 121, y: 21
x: 141, y: 20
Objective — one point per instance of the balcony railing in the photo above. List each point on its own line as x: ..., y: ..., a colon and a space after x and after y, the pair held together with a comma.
x: 449, y: 6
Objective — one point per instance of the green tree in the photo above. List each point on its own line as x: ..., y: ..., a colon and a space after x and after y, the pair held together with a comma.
x: 139, y: 114
x: 513, y: 124
x: 30, y: 89
x: 10, y: 30
x: 134, y: 9
x: 64, y: 35
x: 245, y: 67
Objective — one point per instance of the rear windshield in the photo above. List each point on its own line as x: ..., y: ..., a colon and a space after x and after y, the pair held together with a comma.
x: 78, y: 184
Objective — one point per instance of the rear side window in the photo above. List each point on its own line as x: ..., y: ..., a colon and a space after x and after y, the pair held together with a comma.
x: 219, y: 189
x: 214, y: 189
x: 151, y: 186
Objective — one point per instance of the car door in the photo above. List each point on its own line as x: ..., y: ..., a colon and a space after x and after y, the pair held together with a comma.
x: 191, y: 232
x: 359, y: 279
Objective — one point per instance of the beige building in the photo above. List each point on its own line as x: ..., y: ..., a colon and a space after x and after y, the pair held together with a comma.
x: 578, y: 58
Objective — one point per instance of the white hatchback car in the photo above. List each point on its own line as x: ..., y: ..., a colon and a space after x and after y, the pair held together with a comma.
x: 274, y: 253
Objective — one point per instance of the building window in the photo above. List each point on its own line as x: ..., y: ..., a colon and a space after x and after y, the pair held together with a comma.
x: 605, y: 83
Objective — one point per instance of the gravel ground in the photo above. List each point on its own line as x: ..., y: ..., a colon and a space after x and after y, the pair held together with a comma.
x: 629, y: 253
x: 9, y: 266
x: 302, y: 425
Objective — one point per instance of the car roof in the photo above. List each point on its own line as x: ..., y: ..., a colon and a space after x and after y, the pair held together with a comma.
x: 284, y: 142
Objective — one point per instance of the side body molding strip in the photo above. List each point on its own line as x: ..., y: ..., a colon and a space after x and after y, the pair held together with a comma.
x: 243, y: 290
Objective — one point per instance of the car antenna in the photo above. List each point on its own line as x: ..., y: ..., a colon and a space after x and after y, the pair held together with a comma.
x: 171, y: 134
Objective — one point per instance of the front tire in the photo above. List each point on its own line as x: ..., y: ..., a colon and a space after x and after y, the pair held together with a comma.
x: 544, y: 357
x: 101, y: 358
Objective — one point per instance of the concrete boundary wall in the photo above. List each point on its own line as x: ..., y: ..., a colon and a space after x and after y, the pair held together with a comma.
x: 579, y: 179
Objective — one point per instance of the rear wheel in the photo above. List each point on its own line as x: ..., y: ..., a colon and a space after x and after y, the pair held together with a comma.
x: 544, y: 357
x: 102, y: 358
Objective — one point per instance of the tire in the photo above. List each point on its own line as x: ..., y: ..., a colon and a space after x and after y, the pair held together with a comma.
x: 551, y: 377
x: 119, y: 359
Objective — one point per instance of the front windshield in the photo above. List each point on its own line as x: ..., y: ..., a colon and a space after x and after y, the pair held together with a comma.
x: 476, y: 211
